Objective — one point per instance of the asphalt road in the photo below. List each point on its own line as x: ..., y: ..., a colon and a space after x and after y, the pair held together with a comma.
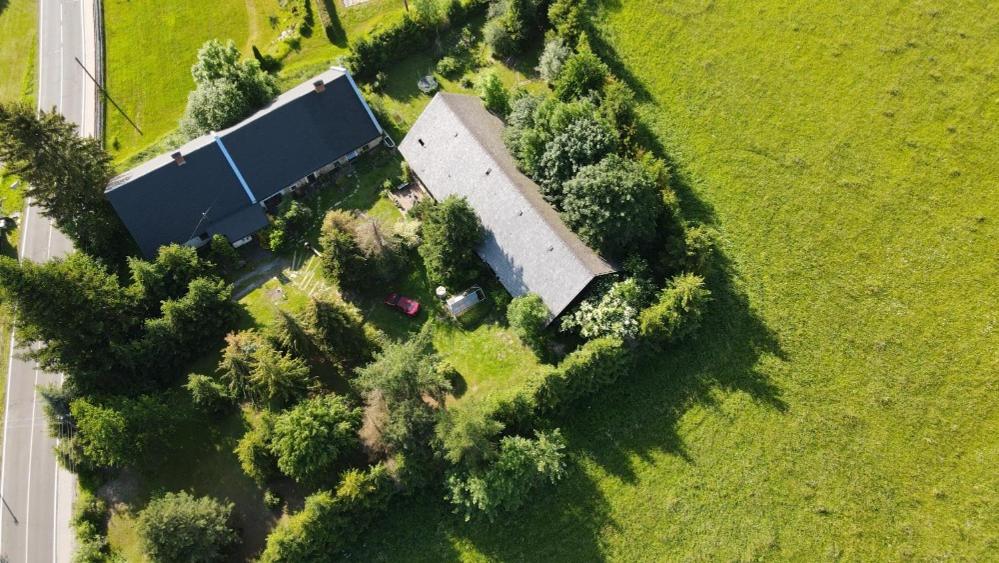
x: 37, y: 494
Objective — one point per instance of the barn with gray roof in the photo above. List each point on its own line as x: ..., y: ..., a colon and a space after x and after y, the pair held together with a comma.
x: 456, y: 148
x: 221, y: 183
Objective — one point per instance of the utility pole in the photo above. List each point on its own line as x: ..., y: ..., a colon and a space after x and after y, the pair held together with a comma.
x: 108, y: 96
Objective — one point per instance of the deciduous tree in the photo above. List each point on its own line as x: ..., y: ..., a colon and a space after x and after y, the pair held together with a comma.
x: 613, y: 205
x: 179, y: 528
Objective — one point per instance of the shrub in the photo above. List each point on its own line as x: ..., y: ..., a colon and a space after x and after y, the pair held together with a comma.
x: 678, y: 312
x: 613, y: 205
x: 567, y: 18
x: 449, y: 67
x: 494, y: 94
x: 464, y: 434
x: 178, y: 527
x: 329, y: 521
x: 222, y: 254
x: 254, y: 451
x: 272, y: 500
x: 310, y: 438
x: 528, y: 316
x: 580, y: 143
x: 506, y: 484
x: 290, y: 226
x: 612, y: 313
x: 208, y: 394
x: 555, y: 54
x: 372, y: 53
x: 511, y: 24
x: 581, y: 74
x: 89, y: 520
x: 498, y: 38
x: 451, y: 232
x: 594, y: 366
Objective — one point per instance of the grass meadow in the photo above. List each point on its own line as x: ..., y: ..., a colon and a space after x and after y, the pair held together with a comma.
x: 841, y: 401
x: 18, y: 50
x: 152, y: 45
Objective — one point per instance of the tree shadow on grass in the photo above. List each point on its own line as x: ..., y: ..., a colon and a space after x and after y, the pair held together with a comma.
x: 559, y: 523
x: 335, y: 31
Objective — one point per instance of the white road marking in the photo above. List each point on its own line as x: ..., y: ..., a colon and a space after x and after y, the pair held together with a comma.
x: 62, y: 57
x: 31, y: 447
x: 10, y: 369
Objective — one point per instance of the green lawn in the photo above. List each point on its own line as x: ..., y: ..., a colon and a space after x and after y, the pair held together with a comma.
x: 152, y: 45
x: 202, y: 462
x: 18, y: 50
x: 841, y: 401
x: 150, y: 48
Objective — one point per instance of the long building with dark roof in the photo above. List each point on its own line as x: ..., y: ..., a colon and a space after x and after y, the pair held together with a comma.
x: 456, y: 148
x: 221, y: 183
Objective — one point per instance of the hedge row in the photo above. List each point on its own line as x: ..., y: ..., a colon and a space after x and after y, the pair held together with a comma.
x: 330, y: 520
x: 371, y: 54
x: 550, y: 392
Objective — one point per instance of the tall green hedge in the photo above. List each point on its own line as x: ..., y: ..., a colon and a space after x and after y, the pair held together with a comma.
x: 371, y: 54
x: 330, y: 520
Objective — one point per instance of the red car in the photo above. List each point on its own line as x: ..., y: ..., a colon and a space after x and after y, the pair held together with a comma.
x: 409, y: 306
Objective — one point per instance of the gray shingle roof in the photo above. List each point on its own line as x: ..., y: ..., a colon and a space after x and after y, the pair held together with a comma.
x: 295, y: 135
x: 456, y: 148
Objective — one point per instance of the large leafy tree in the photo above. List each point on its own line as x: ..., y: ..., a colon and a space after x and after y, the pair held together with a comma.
x: 582, y: 142
x: 401, y: 379
x: 227, y: 90
x: 613, y: 205
x: 65, y: 176
x: 310, y: 438
x: 451, y: 232
x: 506, y: 484
x: 180, y: 528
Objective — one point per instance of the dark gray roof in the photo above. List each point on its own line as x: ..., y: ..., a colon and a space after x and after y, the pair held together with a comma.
x: 456, y: 148
x: 299, y: 132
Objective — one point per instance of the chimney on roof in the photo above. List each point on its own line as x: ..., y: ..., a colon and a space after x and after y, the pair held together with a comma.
x: 178, y: 158
x: 319, y: 85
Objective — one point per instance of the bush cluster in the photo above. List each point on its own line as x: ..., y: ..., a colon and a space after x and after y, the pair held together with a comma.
x: 330, y: 519
x: 511, y: 24
x: 372, y: 53
x: 180, y: 527
x: 227, y: 89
